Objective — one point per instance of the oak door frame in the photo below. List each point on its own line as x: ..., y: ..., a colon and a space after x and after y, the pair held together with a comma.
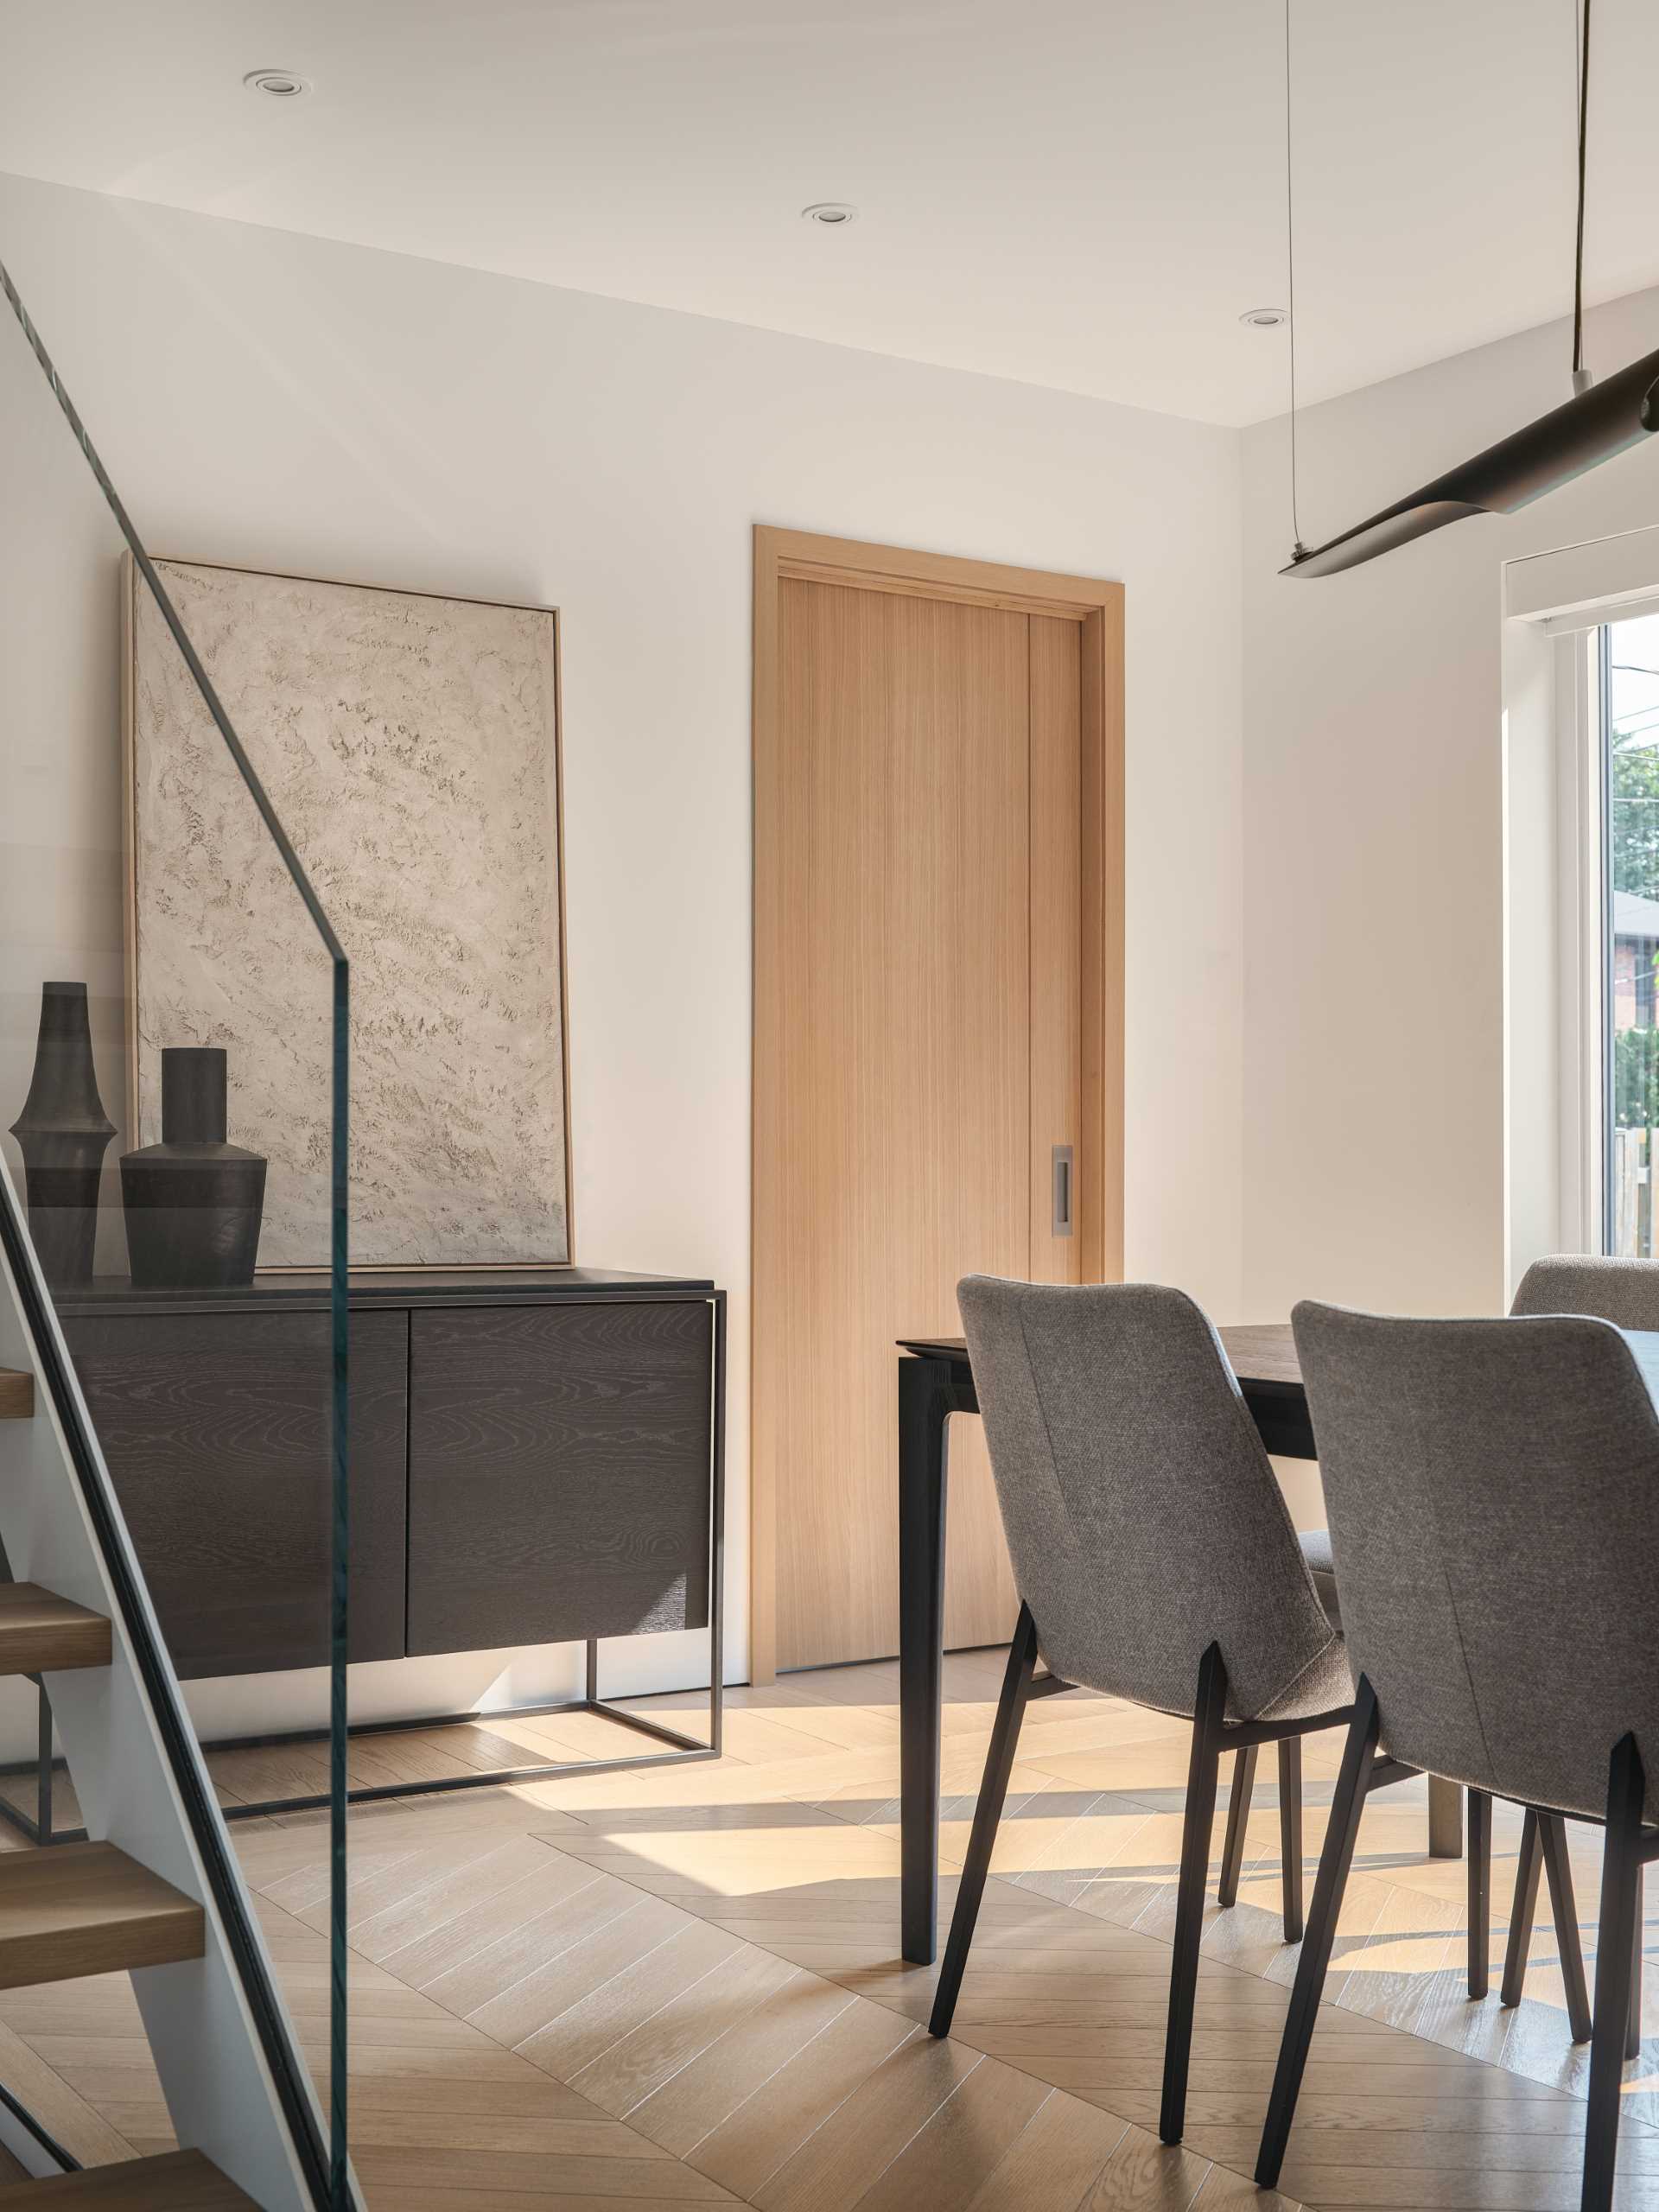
x: 1098, y: 607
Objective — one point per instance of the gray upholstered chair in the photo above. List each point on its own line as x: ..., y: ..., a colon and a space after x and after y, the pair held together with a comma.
x: 1626, y: 1292
x: 1623, y: 1292
x: 1155, y: 1561
x: 1493, y: 1495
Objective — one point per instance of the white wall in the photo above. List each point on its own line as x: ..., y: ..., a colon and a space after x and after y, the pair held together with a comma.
x: 277, y: 401
x: 1373, y: 1083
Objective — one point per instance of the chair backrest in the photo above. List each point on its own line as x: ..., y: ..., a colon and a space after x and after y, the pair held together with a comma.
x: 1142, y: 1517
x: 1623, y: 1292
x: 1493, y: 1494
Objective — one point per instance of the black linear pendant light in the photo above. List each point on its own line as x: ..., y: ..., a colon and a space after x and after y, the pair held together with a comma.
x: 1599, y: 421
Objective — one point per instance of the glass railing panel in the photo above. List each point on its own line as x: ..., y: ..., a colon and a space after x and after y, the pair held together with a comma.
x: 174, y: 1076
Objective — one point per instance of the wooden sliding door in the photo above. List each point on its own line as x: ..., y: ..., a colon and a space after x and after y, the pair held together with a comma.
x: 938, y: 1034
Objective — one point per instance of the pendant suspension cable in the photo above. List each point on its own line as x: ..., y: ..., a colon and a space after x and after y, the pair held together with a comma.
x: 1290, y: 262
x: 1582, y: 378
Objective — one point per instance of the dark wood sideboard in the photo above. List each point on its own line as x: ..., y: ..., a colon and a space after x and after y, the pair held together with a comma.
x: 534, y: 1458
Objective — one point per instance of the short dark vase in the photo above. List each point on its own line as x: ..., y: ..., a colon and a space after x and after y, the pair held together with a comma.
x: 193, y: 1203
x: 63, y: 1134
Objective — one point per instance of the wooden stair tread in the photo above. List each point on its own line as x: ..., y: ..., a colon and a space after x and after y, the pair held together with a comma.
x: 180, y: 2181
x: 39, y: 1630
x: 16, y: 1394
x: 75, y: 1909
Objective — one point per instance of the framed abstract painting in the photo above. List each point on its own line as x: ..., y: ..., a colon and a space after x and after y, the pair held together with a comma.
x: 411, y: 747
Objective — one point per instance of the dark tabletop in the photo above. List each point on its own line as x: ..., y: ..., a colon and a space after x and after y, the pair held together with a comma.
x: 1263, y: 1353
x: 1263, y: 1356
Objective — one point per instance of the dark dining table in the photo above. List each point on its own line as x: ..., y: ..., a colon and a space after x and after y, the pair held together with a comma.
x: 936, y: 1380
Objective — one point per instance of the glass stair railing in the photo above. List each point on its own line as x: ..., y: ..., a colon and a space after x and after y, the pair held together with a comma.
x: 146, y: 1040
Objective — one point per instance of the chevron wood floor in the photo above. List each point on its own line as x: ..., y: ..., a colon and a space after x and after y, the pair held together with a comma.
x: 682, y: 1987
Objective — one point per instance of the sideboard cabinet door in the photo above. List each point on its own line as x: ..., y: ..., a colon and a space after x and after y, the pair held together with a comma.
x: 215, y: 1427
x: 559, y: 1473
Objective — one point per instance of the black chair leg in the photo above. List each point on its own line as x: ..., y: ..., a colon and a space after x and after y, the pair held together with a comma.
x: 1202, y: 1777
x: 1633, y: 2034
x: 1290, y: 1833
x: 1551, y: 1835
x: 1529, y: 1865
x: 1335, y: 1860
x: 1238, y: 1811
x: 988, y: 1815
x: 1480, y: 1892
x: 1543, y: 1849
x: 1621, y: 1869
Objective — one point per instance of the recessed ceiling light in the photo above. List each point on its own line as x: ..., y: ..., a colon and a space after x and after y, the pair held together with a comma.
x: 277, y: 84
x: 1263, y: 318
x: 830, y: 212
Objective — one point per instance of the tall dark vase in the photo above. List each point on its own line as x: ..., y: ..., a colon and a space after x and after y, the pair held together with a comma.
x: 193, y: 1203
x: 63, y: 1134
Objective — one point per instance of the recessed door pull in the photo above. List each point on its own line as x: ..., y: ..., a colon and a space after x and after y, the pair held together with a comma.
x: 1063, y: 1159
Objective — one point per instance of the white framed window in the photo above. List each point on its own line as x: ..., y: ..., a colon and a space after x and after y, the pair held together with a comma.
x: 1582, y: 781
x: 1604, y: 655
x: 1620, y: 678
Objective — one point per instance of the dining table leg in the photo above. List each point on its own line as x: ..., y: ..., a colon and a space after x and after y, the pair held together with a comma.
x: 927, y: 1398
x: 1445, y: 1818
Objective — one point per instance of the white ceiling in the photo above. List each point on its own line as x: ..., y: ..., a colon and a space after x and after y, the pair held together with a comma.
x: 1084, y: 193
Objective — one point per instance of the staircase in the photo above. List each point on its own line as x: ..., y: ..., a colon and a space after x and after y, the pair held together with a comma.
x: 87, y: 1907
x: 156, y: 1894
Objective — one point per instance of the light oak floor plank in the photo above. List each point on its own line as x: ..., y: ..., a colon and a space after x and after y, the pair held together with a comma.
x: 748, y: 2147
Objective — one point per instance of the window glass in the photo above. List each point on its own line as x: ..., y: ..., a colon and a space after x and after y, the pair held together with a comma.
x: 1628, y: 654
